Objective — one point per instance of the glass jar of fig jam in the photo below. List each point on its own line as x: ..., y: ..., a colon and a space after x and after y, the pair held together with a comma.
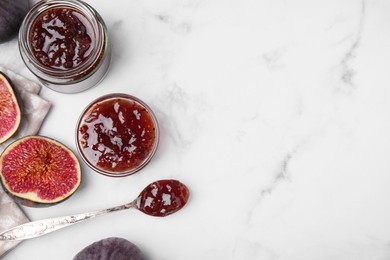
x: 65, y: 44
x: 117, y: 135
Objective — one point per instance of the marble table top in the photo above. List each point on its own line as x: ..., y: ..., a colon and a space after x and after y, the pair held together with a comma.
x: 275, y: 114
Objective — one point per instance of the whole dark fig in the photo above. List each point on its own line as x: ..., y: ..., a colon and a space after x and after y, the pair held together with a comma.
x: 112, y: 248
x: 12, y: 13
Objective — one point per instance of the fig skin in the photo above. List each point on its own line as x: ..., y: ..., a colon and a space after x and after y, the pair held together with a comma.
x: 27, y: 175
x: 112, y: 248
x: 18, y: 114
x: 12, y: 13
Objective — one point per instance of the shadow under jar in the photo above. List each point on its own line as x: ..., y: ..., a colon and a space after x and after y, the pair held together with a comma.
x: 117, y: 135
x: 65, y: 44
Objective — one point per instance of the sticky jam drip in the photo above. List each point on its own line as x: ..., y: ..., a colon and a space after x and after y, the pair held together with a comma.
x: 61, y: 38
x: 163, y: 197
x: 117, y: 135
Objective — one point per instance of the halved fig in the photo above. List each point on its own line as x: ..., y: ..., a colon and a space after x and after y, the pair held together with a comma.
x: 10, y: 114
x: 38, y: 171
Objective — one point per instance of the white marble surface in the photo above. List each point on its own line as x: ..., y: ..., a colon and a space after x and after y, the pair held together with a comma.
x: 275, y: 113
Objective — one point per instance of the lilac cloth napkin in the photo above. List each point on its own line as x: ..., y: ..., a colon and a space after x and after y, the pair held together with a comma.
x: 34, y: 110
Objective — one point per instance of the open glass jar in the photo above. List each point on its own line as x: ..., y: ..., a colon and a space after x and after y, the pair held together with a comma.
x: 117, y: 135
x: 65, y: 44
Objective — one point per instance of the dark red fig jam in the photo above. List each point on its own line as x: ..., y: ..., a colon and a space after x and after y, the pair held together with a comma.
x: 61, y: 38
x: 65, y: 44
x: 162, y: 198
x: 117, y: 134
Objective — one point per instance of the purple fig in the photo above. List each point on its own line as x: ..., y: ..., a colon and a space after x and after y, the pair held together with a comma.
x: 12, y: 13
x: 112, y: 248
x: 38, y: 171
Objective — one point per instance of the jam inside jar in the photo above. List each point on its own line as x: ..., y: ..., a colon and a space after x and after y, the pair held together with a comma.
x: 117, y: 135
x: 62, y: 38
x: 65, y: 44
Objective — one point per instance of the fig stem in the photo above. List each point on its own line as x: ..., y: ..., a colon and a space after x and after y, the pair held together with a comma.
x: 45, y: 226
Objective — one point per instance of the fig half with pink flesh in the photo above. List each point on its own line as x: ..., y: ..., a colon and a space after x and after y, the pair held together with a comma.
x: 38, y: 171
x: 10, y: 114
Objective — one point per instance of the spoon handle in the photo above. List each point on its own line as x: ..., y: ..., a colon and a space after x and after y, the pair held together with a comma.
x: 45, y: 226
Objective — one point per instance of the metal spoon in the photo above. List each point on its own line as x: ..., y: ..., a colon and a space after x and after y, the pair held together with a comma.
x: 160, y: 198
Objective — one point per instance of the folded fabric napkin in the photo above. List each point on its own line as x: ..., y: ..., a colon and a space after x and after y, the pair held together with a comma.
x: 34, y: 110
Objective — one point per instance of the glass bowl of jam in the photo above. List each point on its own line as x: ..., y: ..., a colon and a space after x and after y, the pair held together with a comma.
x: 117, y: 135
x: 65, y: 44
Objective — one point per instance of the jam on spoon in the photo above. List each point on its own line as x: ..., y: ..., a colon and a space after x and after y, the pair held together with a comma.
x: 160, y: 198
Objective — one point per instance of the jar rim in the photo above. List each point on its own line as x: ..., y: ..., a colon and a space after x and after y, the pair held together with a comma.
x: 105, y: 98
x: 93, y: 18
